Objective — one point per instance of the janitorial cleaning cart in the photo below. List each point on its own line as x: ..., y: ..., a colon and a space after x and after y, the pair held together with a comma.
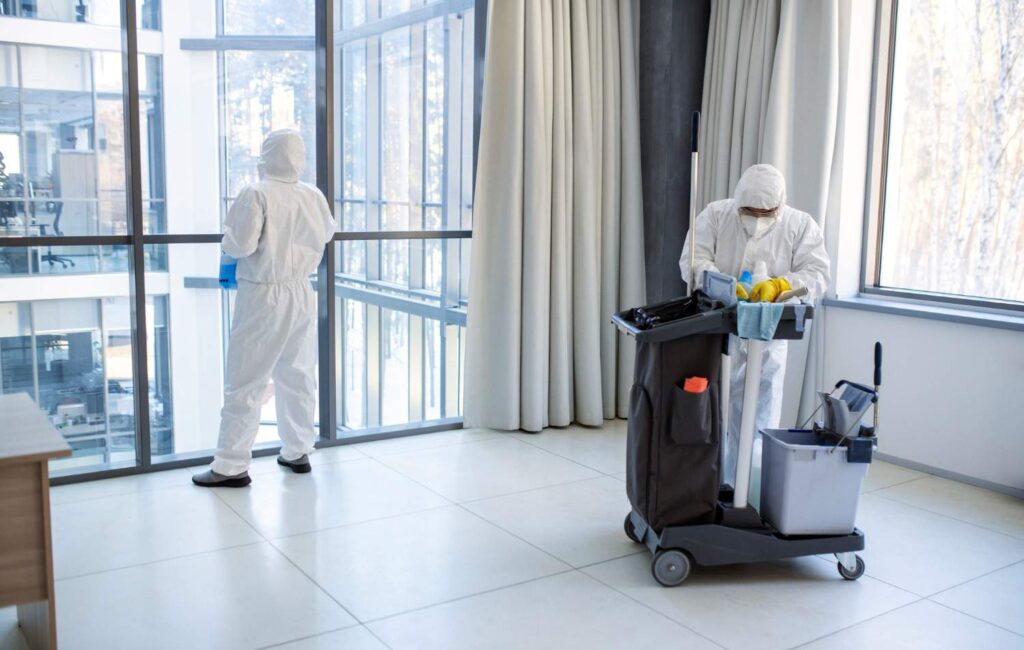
x: 683, y: 508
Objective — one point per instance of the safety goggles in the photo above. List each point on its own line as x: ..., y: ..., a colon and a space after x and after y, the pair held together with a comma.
x: 760, y: 212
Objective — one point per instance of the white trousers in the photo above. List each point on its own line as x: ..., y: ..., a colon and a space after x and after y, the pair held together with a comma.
x: 273, y: 335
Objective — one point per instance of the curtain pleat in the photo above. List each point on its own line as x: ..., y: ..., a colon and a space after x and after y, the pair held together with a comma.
x: 557, y: 241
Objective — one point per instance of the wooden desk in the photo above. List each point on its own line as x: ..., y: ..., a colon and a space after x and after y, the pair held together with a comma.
x: 27, y: 442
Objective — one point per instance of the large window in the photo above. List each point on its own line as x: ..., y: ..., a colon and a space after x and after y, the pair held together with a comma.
x: 404, y: 163
x: 948, y: 217
x: 110, y: 314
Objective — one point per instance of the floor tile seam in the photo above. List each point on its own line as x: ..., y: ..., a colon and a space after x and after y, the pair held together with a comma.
x: 516, y: 440
x: 396, y: 515
x: 376, y: 636
x: 563, y: 457
x: 970, y: 580
x: 846, y: 628
x: 649, y: 608
x: 476, y: 594
x: 308, y: 636
x: 535, y: 489
x: 874, y: 577
x: 899, y: 483
x: 491, y: 496
x: 184, y: 485
x: 977, y: 618
x: 611, y: 559
x: 428, y: 448
x: 316, y: 584
x: 216, y: 493
x: 1019, y: 538
x: 515, y: 536
x: 136, y: 565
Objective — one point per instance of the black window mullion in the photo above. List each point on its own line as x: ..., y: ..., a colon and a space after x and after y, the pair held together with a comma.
x: 137, y: 261
x: 325, y: 181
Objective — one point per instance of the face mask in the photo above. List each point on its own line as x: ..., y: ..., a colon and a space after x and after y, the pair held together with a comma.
x: 757, y: 226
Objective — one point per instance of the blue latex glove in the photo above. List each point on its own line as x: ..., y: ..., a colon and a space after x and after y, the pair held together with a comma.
x: 228, y: 267
x: 758, y: 320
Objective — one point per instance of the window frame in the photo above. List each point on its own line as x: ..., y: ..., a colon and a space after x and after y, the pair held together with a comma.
x: 886, y: 14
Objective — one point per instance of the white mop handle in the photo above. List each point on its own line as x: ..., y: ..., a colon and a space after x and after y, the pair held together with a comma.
x: 694, y: 130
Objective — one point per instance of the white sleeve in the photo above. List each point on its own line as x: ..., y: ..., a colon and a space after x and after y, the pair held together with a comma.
x: 330, y: 224
x: 244, y: 224
x: 704, y: 256
x: 811, y: 265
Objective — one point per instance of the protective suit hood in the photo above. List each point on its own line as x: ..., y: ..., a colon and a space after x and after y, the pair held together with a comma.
x: 283, y: 156
x: 761, y: 186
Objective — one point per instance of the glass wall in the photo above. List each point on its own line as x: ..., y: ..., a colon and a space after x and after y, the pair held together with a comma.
x: 214, y: 78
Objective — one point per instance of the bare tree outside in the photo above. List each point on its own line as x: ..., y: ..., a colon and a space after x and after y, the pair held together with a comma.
x: 955, y: 176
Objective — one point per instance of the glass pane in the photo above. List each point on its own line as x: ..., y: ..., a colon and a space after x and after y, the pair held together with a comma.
x: 191, y: 321
x: 63, y: 166
x: 405, y: 124
x: 351, y: 12
x: 96, y: 12
x: 402, y: 123
x: 354, y: 125
x: 953, y: 222
x: 404, y: 161
x: 63, y: 260
x: 394, y: 337
x: 399, y: 348
x: 282, y: 17
x: 72, y: 354
x: 266, y: 91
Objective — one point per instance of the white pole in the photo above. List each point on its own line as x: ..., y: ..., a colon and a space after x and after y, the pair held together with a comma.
x: 694, y: 129
x: 748, y: 420
x: 724, y: 390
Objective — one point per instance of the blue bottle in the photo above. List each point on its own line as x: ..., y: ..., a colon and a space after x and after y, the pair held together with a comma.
x: 746, y: 281
x: 228, y: 267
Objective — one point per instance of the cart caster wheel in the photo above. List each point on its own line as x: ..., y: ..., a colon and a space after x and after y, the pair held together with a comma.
x: 670, y: 567
x: 856, y: 573
x: 631, y: 531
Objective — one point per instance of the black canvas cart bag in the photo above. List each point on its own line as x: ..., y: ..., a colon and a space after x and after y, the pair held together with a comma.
x: 672, y: 467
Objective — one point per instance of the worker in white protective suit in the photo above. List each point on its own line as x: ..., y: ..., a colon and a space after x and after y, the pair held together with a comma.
x: 277, y: 229
x: 735, y: 234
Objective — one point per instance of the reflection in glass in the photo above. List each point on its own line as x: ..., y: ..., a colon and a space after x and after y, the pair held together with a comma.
x: 96, y: 12
x: 73, y: 356
x: 62, y: 171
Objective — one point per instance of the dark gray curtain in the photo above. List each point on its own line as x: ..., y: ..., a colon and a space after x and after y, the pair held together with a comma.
x: 673, y: 36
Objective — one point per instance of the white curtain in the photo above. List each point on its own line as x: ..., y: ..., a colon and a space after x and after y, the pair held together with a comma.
x: 772, y: 82
x: 557, y: 232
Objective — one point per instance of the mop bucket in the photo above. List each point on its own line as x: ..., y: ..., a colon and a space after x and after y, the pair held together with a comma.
x: 808, y: 484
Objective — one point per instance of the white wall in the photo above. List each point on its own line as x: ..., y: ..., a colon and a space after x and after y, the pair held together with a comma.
x: 950, y: 391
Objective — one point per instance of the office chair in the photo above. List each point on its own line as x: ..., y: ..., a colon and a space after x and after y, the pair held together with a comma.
x: 50, y: 258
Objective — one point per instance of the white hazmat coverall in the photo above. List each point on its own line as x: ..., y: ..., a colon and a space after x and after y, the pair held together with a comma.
x: 277, y: 229
x: 792, y: 247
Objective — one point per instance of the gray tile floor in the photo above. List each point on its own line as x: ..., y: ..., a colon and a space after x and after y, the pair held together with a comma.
x: 471, y: 539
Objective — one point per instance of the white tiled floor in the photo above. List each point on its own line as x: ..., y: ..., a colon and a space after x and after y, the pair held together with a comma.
x: 480, y: 540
